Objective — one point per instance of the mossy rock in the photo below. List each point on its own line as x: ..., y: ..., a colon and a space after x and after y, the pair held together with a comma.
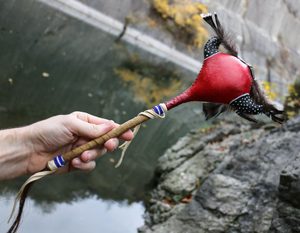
x: 292, y: 103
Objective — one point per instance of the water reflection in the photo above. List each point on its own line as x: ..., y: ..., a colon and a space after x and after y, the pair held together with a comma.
x: 88, y: 215
x: 150, y: 83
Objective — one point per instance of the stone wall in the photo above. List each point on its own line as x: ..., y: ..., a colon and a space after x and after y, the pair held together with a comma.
x: 266, y: 32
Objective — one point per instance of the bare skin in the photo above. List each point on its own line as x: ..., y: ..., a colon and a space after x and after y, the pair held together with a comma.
x: 27, y: 150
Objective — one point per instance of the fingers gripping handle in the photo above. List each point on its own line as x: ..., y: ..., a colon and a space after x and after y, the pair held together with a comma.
x: 61, y: 160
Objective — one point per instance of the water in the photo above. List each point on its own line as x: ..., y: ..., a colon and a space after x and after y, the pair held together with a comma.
x: 73, y: 217
x: 52, y: 64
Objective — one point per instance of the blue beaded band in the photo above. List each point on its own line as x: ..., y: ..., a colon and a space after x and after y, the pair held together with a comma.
x: 59, y: 161
x: 158, y: 110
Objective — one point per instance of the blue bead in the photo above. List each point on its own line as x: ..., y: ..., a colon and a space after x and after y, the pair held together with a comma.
x: 158, y: 110
x: 56, y: 162
x: 61, y: 160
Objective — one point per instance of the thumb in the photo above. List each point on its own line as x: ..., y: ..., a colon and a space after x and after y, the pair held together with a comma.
x: 84, y: 129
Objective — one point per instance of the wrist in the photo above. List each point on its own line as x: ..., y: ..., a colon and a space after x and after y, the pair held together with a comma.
x: 15, y: 152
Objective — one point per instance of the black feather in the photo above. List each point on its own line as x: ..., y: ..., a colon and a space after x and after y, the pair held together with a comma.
x: 209, y: 19
x: 212, y: 110
x: 247, y: 117
x: 259, y: 97
x: 226, y: 41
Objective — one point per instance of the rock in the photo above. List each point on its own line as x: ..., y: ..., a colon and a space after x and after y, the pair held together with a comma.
x: 188, y: 146
x: 287, y: 217
x: 289, y: 188
x: 224, y: 194
x: 246, y: 181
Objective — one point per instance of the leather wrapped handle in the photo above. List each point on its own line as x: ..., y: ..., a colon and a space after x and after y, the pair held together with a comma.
x: 116, y: 132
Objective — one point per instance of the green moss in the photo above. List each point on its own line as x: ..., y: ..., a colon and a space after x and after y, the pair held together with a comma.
x: 292, y: 103
x: 185, y: 16
x: 269, y: 89
x: 150, y: 83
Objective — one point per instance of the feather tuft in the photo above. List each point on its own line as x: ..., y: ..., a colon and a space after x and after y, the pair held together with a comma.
x: 226, y: 41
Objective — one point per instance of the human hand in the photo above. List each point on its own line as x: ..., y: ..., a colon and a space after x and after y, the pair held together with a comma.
x: 62, y: 133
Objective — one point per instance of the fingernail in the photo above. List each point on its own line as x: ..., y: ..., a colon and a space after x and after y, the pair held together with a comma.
x: 87, y: 157
x: 103, y: 151
x: 76, y: 162
x: 116, y: 142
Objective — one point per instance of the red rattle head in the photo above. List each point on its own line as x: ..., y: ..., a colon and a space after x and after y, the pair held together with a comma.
x: 226, y: 80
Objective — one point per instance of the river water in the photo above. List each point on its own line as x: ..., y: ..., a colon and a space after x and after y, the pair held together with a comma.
x: 53, y: 64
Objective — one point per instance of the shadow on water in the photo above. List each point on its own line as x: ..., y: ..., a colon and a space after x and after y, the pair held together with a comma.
x: 52, y: 64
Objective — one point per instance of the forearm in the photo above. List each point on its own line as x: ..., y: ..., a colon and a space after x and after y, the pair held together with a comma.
x: 14, y: 153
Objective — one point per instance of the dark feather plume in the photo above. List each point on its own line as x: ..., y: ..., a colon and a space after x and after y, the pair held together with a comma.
x: 212, y: 110
x: 247, y: 117
x: 219, y: 30
x: 259, y: 97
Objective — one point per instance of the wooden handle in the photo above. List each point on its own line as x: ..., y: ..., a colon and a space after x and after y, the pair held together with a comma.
x: 116, y: 132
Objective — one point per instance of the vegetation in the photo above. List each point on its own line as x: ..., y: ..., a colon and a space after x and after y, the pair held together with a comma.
x: 270, y: 88
x: 292, y: 103
x: 185, y: 15
x: 150, y: 83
